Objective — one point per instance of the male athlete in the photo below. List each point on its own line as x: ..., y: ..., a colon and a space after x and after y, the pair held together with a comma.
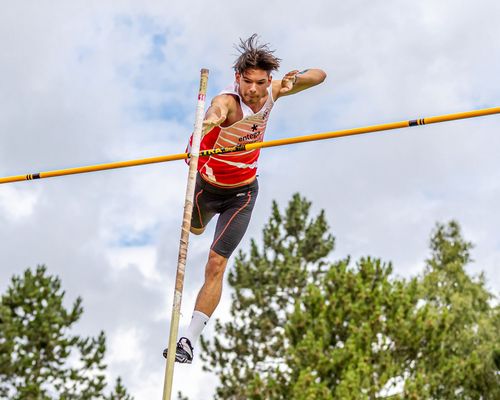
x: 226, y: 184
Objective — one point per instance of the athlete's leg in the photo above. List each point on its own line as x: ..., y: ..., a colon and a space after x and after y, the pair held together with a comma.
x: 235, y: 212
x: 197, y: 231
x: 231, y: 227
x: 208, y: 296
x: 202, y: 208
x: 210, y: 293
x: 233, y: 221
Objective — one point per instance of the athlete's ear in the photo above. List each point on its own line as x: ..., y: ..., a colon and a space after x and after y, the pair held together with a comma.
x: 237, y: 77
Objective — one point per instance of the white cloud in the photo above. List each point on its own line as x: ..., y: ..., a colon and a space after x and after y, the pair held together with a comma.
x: 17, y: 204
x: 143, y: 258
x: 124, y: 346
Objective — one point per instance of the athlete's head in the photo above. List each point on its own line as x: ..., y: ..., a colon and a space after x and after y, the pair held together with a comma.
x: 253, y: 69
x: 255, y: 56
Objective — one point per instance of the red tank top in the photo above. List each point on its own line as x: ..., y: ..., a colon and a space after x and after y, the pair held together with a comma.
x: 235, y: 169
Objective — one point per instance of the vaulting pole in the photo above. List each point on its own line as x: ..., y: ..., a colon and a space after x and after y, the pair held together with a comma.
x: 252, y: 146
x: 183, y: 246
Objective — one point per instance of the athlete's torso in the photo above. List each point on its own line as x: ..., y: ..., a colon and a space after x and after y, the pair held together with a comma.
x: 235, y: 169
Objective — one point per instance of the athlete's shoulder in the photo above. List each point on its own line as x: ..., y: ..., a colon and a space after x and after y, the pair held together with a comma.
x: 227, y: 99
x: 226, y: 102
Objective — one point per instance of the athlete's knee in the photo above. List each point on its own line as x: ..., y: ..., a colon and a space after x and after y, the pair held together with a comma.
x: 197, y: 231
x: 216, y: 266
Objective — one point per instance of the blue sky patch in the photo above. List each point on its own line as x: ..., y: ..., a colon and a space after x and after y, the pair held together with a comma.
x: 158, y: 42
x: 137, y: 238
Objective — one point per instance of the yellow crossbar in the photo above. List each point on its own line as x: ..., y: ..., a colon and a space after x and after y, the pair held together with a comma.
x: 259, y: 145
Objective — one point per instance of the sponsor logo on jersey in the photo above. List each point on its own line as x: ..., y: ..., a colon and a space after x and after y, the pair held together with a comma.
x: 250, y: 137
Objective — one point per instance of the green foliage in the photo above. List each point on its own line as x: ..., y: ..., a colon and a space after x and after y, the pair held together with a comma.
x: 39, y: 357
x: 457, y: 330
x: 345, y: 328
x: 305, y: 329
x: 119, y: 392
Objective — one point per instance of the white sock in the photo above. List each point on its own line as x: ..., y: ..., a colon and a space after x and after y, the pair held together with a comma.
x: 198, y: 322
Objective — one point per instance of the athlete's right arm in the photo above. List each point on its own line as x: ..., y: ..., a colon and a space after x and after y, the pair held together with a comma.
x: 217, y: 113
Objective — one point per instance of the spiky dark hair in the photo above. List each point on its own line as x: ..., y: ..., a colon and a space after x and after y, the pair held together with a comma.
x: 255, y: 55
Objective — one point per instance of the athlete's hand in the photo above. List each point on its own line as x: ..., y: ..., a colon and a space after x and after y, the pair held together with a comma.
x: 211, y: 122
x: 288, y: 82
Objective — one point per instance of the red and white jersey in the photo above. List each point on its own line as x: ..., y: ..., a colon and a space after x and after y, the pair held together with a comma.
x: 235, y: 169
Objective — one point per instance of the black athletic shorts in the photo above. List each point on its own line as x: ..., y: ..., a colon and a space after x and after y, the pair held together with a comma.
x: 234, y: 206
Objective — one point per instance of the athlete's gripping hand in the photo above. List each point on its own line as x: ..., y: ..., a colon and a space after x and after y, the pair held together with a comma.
x: 288, y: 82
x: 210, y: 122
x: 216, y: 114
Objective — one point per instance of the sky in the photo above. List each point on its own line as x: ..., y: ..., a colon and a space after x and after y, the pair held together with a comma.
x: 87, y: 82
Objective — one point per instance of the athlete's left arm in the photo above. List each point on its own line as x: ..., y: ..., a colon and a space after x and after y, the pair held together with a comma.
x: 295, y: 81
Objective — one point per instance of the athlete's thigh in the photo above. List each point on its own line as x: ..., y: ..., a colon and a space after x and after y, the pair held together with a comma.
x: 203, y: 208
x: 233, y: 221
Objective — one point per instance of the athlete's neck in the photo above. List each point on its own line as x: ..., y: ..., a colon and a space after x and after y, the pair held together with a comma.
x: 255, y: 107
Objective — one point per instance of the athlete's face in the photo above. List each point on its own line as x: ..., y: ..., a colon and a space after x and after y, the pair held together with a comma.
x: 253, y: 85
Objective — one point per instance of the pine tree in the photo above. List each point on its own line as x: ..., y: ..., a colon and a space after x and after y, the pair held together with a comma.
x: 456, y: 337
x: 341, y: 335
x: 361, y: 332
x: 39, y: 357
x: 303, y: 328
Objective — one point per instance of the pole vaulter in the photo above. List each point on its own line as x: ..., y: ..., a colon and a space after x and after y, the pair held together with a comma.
x: 259, y: 145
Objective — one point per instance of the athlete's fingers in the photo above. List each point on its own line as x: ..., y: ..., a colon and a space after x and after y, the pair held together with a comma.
x: 290, y: 78
x: 291, y: 74
x: 209, y: 124
x: 214, y: 121
x: 288, y: 81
